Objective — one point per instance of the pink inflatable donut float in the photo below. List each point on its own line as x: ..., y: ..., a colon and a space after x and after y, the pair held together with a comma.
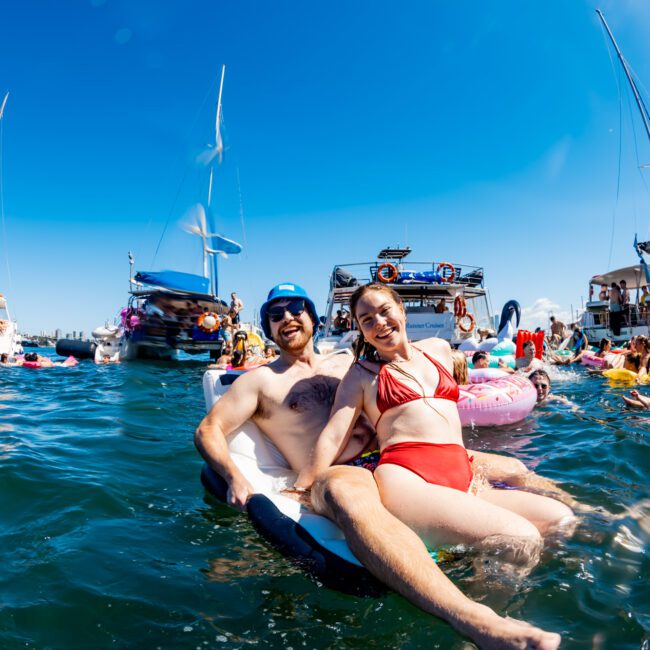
x: 495, y: 398
x: 589, y: 358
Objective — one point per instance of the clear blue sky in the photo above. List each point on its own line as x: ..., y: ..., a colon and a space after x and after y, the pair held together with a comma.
x: 483, y: 133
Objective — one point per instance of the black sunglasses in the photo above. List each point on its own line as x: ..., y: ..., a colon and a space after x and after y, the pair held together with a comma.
x: 295, y: 307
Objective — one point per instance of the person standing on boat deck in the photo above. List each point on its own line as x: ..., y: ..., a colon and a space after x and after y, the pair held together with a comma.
x: 290, y: 401
x: 615, y: 309
x: 236, y: 305
x: 625, y: 303
x: 603, y: 295
x: 644, y: 303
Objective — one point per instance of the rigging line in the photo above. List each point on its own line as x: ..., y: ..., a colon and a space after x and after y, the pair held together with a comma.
x: 2, y: 206
x: 638, y: 163
x: 241, y: 213
x: 186, y: 172
x: 616, y: 73
x: 618, y: 179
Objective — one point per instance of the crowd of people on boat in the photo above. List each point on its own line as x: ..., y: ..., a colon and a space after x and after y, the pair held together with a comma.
x: 622, y: 311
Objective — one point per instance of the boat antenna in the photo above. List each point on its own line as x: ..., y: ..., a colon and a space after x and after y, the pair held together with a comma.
x: 2, y: 201
x: 642, y: 109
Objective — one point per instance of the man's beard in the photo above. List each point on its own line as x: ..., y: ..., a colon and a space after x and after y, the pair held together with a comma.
x: 297, y: 344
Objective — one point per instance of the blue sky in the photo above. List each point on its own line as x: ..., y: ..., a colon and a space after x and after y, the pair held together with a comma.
x: 480, y: 133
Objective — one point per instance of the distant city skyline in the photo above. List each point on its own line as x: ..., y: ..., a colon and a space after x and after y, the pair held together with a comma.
x: 485, y: 135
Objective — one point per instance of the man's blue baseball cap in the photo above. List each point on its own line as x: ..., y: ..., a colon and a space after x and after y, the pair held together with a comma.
x: 286, y: 290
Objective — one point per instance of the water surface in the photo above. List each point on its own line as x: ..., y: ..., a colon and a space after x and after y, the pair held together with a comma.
x: 108, y: 539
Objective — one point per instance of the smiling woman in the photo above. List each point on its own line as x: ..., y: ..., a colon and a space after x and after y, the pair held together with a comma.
x: 424, y: 475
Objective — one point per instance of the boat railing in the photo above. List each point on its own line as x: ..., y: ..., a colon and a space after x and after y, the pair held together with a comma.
x: 358, y: 273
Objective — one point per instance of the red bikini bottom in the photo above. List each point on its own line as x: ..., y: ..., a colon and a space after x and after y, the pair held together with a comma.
x: 447, y: 464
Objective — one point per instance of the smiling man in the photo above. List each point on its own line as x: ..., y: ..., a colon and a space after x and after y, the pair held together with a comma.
x: 290, y: 401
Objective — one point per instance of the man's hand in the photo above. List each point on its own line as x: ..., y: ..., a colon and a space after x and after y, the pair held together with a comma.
x: 239, y: 492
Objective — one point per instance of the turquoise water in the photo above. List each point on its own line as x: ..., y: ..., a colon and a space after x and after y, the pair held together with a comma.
x: 108, y: 540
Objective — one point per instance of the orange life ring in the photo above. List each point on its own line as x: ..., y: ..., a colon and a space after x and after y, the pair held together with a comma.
x: 200, y: 321
x: 469, y: 327
x: 460, y: 307
x: 390, y: 278
x: 447, y: 265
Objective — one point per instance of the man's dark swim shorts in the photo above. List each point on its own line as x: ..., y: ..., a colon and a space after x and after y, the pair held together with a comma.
x: 368, y: 460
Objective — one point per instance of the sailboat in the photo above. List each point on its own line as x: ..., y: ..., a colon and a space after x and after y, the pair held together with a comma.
x: 169, y: 311
x: 10, y: 340
x: 635, y: 318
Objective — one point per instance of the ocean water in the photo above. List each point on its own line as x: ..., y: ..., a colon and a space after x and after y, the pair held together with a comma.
x: 109, y: 541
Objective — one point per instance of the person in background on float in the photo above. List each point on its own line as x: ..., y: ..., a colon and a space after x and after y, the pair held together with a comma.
x: 269, y: 352
x: 528, y: 362
x: 542, y: 382
x: 579, y: 343
x: 604, y: 347
x: 632, y: 362
x: 615, y: 309
x: 236, y: 305
x: 5, y: 362
x: 481, y: 359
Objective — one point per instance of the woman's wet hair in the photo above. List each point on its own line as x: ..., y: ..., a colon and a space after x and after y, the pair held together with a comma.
x: 363, y: 349
x: 603, y: 344
x: 461, y: 373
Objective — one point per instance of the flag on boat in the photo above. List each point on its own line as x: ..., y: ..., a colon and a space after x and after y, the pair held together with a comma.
x: 225, y: 246
x: 643, y: 247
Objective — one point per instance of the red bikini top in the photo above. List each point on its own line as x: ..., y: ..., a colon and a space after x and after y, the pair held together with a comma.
x: 391, y: 392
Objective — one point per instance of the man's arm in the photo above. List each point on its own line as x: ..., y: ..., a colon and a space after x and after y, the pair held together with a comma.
x: 229, y: 413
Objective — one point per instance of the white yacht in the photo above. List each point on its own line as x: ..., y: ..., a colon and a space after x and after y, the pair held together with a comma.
x: 10, y: 340
x: 442, y: 299
x: 595, y: 318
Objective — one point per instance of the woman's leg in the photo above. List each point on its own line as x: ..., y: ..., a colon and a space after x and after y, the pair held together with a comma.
x: 544, y: 513
x: 442, y: 515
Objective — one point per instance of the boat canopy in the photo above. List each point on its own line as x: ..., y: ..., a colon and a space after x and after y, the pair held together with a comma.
x: 174, y: 280
x: 634, y: 277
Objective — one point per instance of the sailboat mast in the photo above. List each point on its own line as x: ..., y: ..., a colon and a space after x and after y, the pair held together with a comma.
x: 4, y: 103
x: 218, y: 145
x: 637, y: 97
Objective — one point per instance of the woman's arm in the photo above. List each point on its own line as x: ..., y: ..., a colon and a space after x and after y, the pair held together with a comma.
x: 332, y: 440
